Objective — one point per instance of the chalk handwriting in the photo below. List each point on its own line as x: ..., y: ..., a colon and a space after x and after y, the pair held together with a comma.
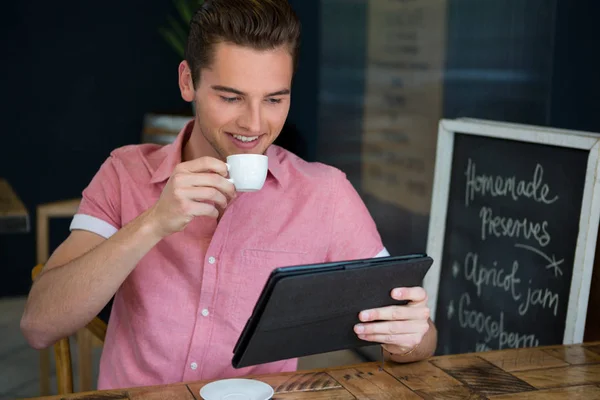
x: 544, y: 297
x: 513, y: 228
x: 490, y: 185
x: 553, y: 262
x: 481, y: 275
x: 492, y: 329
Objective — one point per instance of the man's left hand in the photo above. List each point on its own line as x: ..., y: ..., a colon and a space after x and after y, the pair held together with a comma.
x: 398, y: 328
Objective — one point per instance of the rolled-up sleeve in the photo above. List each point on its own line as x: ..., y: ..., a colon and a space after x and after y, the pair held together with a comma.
x: 100, y: 208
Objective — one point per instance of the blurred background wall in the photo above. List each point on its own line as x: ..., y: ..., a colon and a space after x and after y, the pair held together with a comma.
x: 524, y: 61
x: 77, y: 80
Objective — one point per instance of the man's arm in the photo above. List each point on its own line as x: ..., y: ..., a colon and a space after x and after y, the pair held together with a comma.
x: 80, y: 278
x: 86, y: 270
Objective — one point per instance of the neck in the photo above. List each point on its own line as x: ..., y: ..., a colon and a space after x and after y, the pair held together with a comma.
x: 197, y: 146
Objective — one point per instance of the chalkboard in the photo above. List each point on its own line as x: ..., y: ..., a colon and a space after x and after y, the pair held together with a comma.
x: 512, y: 232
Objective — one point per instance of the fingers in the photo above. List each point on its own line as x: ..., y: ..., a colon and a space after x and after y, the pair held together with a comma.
x: 203, y: 209
x: 414, y: 294
x: 393, y: 327
x: 205, y: 194
x: 187, y: 179
x: 407, y: 341
x: 395, y: 313
x: 203, y: 164
x: 403, y: 326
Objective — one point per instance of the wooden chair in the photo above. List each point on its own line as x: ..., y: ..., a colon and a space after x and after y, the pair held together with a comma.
x: 62, y: 348
x: 86, y: 338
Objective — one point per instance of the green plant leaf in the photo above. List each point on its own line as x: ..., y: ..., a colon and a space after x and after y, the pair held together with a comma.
x: 177, y: 32
x: 175, y: 43
x: 177, y: 29
x: 185, y: 10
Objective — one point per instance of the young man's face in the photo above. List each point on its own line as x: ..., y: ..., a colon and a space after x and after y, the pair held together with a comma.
x: 243, y: 98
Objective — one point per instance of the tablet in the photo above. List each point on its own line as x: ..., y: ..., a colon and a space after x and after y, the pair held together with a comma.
x: 312, y: 309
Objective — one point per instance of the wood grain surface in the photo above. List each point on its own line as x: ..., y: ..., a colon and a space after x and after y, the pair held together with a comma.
x: 555, y: 372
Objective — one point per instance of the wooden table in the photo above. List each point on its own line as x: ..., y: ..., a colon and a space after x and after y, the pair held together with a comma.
x: 555, y: 372
x: 14, y: 217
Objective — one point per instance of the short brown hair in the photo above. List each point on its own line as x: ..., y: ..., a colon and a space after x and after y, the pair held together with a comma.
x: 259, y: 24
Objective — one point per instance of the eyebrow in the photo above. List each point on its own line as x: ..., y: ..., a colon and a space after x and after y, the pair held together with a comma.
x: 220, y: 88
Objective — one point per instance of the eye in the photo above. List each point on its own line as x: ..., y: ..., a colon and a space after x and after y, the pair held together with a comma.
x: 229, y: 99
x: 273, y: 101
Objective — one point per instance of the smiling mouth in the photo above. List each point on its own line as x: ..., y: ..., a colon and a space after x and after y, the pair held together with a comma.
x: 245, y: 142
x: 245, y: 139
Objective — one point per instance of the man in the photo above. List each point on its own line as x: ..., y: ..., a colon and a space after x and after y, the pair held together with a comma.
x: 185, y: 257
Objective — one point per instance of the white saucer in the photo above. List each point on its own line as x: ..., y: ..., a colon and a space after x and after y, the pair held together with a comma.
x: 236, y: 389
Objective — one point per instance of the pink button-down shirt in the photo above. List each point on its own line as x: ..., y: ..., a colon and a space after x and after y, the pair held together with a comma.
x: 179, y: 313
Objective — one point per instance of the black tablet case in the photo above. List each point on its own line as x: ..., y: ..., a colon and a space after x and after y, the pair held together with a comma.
x: 311, y: 314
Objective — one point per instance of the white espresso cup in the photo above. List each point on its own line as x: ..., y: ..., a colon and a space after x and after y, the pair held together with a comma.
x: 247, y: 172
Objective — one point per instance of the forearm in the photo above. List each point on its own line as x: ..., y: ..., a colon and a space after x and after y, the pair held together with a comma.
x: 424, y: 350
x: 65, y: 298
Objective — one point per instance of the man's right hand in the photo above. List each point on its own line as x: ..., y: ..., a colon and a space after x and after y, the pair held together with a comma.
x: 86, y: 270
x: 196, y: 188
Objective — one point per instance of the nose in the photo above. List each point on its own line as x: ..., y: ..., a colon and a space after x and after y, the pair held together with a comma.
x: 251, y: 119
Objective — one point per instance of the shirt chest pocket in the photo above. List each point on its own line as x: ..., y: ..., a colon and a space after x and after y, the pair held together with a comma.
x: 253, y: 273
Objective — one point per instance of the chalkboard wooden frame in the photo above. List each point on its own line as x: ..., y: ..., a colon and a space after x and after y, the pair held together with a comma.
x: 589, y: 216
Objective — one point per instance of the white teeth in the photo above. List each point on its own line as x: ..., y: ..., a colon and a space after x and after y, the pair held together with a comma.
x: 245, y: 138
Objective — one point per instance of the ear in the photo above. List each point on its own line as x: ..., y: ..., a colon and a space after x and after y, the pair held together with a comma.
x: 186, y: 85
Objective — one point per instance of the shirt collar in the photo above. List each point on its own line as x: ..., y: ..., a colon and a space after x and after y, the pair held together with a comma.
x: 172, y: 152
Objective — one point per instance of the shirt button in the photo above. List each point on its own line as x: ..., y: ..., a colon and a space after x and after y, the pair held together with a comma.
x: 205, y: 312
x: 211, y: 260
x: 193, y: 366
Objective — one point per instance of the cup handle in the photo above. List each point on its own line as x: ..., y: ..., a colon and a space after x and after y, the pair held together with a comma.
x: 228, y: 169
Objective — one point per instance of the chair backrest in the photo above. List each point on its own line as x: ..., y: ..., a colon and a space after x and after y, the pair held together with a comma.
x: 62, y: 348
x: 98, y: 326
x: 62, y: 354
